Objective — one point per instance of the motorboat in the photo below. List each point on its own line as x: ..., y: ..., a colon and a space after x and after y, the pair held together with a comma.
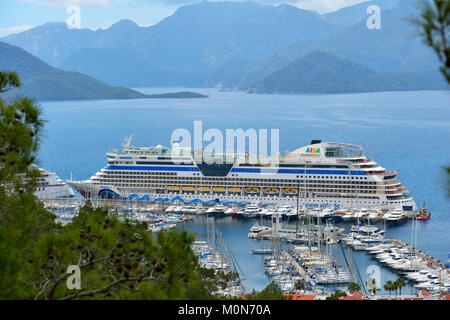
x: 326, y: 213
x: 361, y: 214
x: 395, y: 216
x: 250, y: 211
x: 283, y: 210
x: 375, y: 215
x: 216, y: 211
x: 347, y: 216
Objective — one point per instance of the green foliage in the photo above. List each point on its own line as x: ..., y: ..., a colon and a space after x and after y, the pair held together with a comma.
x: 389, y: 286
x: 399, y: 284
x: 177, y: 95
x: 271, y: 292
x: 353, y: 286
x: 117, y: 260
x: 22, y: 218
x: 8, y: 80
x: 447, y: 171
x: 299, y: 285
x: 23, y: 222
x: 434, y: 22
x: 20, y: 126
x: 335, y: 296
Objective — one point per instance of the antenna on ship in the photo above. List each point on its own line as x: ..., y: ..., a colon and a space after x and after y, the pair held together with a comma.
x: 128, y: 141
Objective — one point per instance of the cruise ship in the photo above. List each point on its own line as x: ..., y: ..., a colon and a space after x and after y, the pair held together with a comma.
x: 322, y: 174
x: 50, y: 186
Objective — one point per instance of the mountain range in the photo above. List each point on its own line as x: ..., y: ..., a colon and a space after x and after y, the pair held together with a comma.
x: 321, y: 72
x: 243, y: 46
x: 395, y: 48
x: 43, y: 82
x: 181, y: 49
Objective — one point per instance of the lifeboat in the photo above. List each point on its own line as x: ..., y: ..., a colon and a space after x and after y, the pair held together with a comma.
x: 252, y: 190
x: 188, y: 188
x: 290, y: 190
x: 271, y: 190
x: 173, y: 187
x: 203, y: 189
x: 219, y: 189
x: 234, y: 189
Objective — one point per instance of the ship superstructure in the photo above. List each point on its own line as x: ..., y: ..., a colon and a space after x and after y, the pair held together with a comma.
x: 50, y: 186
x: 321, y: 174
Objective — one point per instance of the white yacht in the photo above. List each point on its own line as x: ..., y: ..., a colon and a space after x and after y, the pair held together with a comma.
x: 217, y: 210
x: 361, y: 214
x: 395, y: 216
x: 250, y: 211
x: 375, y: 215
x: 230, y: 211
x: 283, y: 210
x: 347, y: 216
x: 326, y: 213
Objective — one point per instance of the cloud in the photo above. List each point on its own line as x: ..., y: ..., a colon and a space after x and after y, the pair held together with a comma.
x: 7, y: 31
x: 183, y: 2
x: 316, y: 5
x: 323, y: 6
x: 66, y: 3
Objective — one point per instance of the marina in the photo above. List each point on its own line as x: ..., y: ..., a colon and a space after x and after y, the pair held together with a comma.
x: 304, y: 249
x: 420, y: 171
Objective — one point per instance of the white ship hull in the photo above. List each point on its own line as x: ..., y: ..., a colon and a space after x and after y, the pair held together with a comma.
x: 292, y: 201
x: 50, y: 186
x: 333, y: 175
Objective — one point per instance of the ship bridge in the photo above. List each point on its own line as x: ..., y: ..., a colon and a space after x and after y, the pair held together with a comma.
x: 326, y: 150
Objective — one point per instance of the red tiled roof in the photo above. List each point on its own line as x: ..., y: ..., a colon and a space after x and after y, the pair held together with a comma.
x: 301, y: 297
x: 425, y: 293
x: 306, y: 297
x: 358, y: 295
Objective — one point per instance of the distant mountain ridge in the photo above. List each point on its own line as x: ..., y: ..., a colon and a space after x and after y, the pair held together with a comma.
x: 234, y: 45
x: 396, y: 48
x: 54, y: 41
x: 182, y: 49
x: 321, y: 72
x: 43, y: 82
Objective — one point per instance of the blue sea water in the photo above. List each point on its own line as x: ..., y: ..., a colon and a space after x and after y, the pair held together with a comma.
x: 409, y: 131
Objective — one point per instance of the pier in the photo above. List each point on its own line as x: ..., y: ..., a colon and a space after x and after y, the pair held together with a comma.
x: 298, y: 268
x: 431, y: 261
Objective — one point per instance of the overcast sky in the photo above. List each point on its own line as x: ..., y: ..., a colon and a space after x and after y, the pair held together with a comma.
x: 19, y: 15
